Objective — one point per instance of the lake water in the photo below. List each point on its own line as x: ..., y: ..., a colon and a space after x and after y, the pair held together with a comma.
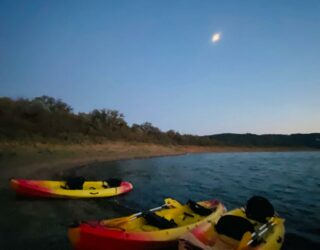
x: 291, y: 181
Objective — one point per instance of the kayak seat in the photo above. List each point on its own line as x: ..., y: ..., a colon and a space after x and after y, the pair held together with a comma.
x: 74, y: 183
x: 158, y: 221
x: 233, y: 226
x: 259, y: 208
x: 198, y: 209
x: 111, y: 182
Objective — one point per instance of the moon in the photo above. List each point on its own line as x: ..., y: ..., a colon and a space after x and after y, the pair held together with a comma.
x: 216, y: 37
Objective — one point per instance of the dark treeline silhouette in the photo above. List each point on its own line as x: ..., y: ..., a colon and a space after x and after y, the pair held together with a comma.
x: 47, y: 119
x: 272, y: 140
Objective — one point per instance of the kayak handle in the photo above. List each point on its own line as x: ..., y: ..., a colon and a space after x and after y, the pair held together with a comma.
x: 93, y: 193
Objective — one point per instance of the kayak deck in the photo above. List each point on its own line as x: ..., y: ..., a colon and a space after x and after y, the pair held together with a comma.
x: 208, y: 238
x: 137, y: 233
x: 58, y: 189
x: 181, y: 216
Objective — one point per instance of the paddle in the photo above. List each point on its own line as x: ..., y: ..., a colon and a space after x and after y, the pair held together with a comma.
x: 262, y: 230
x: 244, y: 241
x: 248, y: 238
x: 117, y: 222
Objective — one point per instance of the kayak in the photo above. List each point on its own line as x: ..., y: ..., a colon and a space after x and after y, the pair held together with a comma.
x: 72, y: 188
x: 238, y: 229
x: 155, y: 229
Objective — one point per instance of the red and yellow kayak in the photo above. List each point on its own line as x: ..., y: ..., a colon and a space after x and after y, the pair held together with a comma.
x: 238, y: 230
x: 142, y: 233
x: 58, y: 189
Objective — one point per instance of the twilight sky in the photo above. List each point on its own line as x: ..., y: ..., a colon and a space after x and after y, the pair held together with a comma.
x: 155, y: 61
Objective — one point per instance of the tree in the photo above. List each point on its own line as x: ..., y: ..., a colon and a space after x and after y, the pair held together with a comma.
x: 52, y: 104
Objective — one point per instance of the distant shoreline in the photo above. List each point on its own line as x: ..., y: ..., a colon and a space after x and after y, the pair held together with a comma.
x: 39, y: 160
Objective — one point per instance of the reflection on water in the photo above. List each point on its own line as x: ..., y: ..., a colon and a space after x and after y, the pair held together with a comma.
x: 291, y: 181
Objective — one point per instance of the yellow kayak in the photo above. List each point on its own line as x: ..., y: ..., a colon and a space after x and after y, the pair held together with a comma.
x: 72, y: 188
x: 158, y: 228
x: 256, y: 227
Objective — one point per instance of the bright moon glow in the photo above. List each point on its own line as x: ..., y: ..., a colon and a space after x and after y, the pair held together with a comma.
x: 216, y: 37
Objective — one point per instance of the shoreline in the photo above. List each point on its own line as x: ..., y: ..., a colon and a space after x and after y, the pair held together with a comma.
x: 36, y: 160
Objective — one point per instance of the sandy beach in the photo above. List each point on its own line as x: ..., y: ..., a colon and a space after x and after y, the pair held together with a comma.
x: 39, y: 160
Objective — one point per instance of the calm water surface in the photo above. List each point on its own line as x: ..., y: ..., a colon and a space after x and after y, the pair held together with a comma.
x: 291, y: 181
